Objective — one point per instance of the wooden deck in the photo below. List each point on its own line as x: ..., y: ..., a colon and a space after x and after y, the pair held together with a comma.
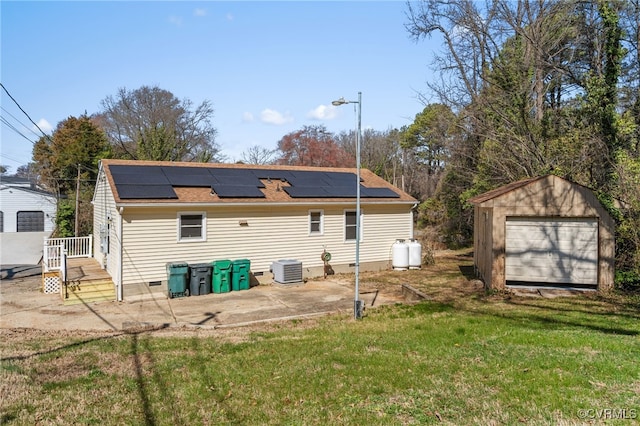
x: 85, y: 269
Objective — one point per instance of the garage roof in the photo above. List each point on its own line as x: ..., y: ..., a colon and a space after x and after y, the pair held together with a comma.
x: 489, y: 195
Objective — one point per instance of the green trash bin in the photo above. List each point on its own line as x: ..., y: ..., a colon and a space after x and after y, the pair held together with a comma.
x: 177, y: 273
x: 240, y: 274
x: 221, y: 276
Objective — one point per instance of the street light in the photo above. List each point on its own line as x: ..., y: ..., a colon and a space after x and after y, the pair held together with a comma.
x: 357, y: 303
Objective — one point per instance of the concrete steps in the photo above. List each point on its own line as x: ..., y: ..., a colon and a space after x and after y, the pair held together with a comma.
x: 77, y: 292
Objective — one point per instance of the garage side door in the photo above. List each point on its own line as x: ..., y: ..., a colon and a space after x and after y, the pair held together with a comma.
x: 551, y: 251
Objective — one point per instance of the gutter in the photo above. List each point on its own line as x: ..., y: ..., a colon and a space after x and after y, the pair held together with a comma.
x: 254, y: 204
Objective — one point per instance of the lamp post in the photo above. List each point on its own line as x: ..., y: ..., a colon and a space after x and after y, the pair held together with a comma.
x: 357, y: 303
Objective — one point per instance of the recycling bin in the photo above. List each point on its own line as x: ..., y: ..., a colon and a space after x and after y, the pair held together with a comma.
x: 240, y: 274
x: 200, y: 282
x: 221, y: 276
x: 177, y: 273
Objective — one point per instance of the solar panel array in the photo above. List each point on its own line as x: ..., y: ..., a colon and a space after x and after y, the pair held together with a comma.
x: 157, y: 182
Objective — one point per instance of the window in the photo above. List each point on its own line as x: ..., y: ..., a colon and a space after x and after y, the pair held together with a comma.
x: 316, y: 225
x: 191, y: 226
x: 30, y: 222
x: 350, y: 225
x: 1, y: 222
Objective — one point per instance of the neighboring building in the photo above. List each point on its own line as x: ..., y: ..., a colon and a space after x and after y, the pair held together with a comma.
x: 27, y: 216
x: 147, y: 214
x: 543, y: 231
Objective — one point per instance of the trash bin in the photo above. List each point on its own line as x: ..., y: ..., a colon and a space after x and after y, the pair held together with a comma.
x: 177, y: 273
x: 240, y: 274
x: 221, y: 276
x: 200, y: 282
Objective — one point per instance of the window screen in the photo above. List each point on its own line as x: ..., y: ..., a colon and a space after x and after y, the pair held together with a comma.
x: 191, y: 227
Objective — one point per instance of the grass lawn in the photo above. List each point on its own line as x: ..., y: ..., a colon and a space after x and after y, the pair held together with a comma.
x: 462, y: 357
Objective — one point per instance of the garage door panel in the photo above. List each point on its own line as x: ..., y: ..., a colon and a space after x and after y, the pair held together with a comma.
x: 551, y: 275
x: 551, y: 251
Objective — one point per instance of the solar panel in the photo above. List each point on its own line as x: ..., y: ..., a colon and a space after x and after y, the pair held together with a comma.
x: 135, y: 170
x: 340, y: 178
x: 192, y: 181
x: 245, y: 180
x: 237, y: 191
x: 308, y: 181
x: 342, y: 191
x: 305, y: 192
x: 128, y: 191
x: 189, y: 176
x: 188, y: 171
x: 378, y: 193
x: 139, y: 179
x: 222, y: 171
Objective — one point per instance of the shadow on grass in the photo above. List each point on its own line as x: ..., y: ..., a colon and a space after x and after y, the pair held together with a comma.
x: 468, y: 271
x: 582, y: 311
x: 59, y: 348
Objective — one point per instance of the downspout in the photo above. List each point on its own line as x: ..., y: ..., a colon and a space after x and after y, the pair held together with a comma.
x: 119, y: 273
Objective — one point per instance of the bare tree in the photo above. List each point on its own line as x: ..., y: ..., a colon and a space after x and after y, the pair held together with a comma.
x: 150, y: 123
x: 258, y: 155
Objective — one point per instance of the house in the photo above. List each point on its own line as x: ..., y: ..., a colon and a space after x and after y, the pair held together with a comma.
x: 149, y: 214
x: 27, y: 216
x: 543, y: 231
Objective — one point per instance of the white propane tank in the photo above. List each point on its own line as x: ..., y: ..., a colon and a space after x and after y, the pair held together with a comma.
x: 400, y: 258
x: 415, y: 254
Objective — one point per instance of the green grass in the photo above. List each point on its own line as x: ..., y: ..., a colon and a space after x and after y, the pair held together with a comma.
x: 469, y: 359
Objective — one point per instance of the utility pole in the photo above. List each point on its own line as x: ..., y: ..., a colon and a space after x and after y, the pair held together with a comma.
x: 77, y: 200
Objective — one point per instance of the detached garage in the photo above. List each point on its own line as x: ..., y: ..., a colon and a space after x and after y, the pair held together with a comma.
x: 543, y: 231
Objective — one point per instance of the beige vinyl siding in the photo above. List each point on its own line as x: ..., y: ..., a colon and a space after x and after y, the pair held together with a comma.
x: 104, y: 207
x: 150, y: 237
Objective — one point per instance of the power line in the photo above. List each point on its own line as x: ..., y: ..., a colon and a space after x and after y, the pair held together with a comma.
x: 11, y: 158
x: 25, y: 112
x: 12, y: 127
x: 20, y: 122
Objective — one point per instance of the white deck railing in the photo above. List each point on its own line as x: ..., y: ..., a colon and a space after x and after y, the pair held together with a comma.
x: 75, y: 246
x: 57, y: 250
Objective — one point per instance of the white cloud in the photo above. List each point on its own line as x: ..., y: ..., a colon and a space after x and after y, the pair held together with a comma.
x: 200, y: 12
x: 271, y: 116
x: 323, y: 112
x: 44, y: 125
x: 175, y: 20
x: 247, y: 117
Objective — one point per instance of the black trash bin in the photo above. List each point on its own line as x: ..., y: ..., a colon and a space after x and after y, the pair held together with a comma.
x: 200, y: 282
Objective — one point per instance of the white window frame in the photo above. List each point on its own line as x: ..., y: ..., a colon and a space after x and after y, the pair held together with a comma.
x: 202, y: 237
x: 344, y: 223
x: 321, y: 230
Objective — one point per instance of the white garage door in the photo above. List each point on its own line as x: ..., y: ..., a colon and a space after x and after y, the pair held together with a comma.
x: 560, y: 251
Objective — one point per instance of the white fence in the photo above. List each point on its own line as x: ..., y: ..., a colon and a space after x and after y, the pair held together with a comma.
x: 57, y: 250
x: 75, y: 246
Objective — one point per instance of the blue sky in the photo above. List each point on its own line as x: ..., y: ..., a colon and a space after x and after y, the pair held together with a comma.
x: 268, y: 68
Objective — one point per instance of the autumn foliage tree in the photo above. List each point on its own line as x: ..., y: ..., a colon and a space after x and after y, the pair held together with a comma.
x: 67, y: 158
x: 313, y: 146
